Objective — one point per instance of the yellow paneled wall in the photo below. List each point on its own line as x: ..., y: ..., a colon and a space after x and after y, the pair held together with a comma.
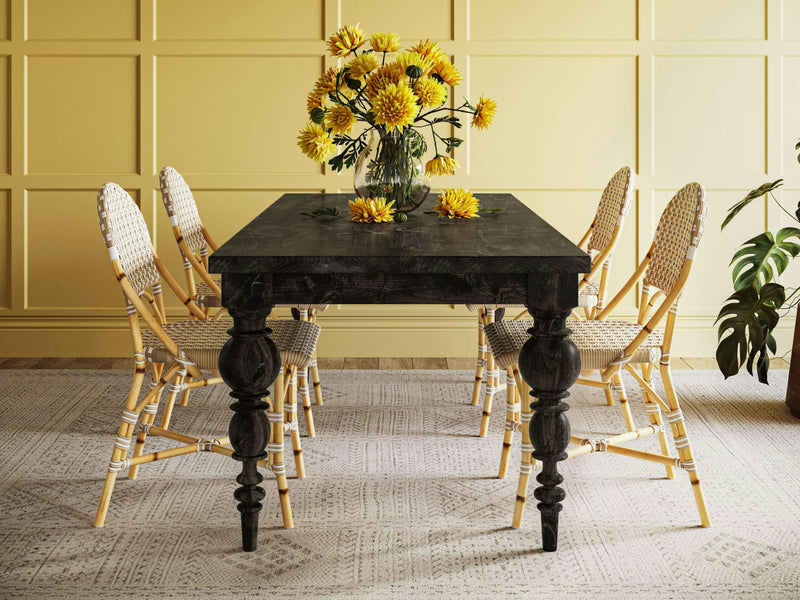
x: 100, y: 90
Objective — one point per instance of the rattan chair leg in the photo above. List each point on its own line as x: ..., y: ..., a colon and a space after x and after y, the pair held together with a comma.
x: 185, y: 395
x: 290, y: 408
x: 492, y: 381
x: 527, y: 463
x: 174, y: 387
x: 119, y: 453
x: 675, y: 418
x: 609, y: 395
x: 480, y: 366
x: 619, y: 388
x: 305, y: 397
x: 512, y: 418
x: 314, y: 369
x: 275, y: 449
x: 151, y: 401
x: 656, y: 418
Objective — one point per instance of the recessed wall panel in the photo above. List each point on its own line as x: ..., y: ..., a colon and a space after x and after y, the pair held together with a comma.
x: 5, y: 115
x: 5, y: 20
x: 83, y: 114
x: 791, y: 115
x: 709, y: 114
x: 412, y: 20
x: 67, y: 260
x: 791, y: 20
x: 558, y: 118
x: 5, y: 249
x: 244, y: 20
x: 709, y: 20
x: 84, y: 20
x: 552, y: 20
x: 234, y: 114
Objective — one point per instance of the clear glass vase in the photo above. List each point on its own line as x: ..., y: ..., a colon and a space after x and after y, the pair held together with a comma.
x: 386, y: 168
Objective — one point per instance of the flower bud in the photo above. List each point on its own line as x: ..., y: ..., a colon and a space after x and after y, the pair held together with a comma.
x: 353, y: 84
x: 318, y: 115
x: 414, y: 71
x: 400, y: 217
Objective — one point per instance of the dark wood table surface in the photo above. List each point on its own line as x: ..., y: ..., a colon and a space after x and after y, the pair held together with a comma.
x: 509, y: 257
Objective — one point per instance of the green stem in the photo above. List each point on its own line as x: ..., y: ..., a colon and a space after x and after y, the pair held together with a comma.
x: 794, y: 218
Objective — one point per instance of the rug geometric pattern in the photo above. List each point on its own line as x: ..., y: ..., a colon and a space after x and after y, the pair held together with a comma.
x: 401, y: 499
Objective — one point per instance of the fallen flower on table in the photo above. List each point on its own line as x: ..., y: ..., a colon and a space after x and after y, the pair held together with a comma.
x: 371, y: 210
x: 457, y: 203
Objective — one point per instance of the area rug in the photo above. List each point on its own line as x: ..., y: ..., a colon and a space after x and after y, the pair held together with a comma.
x: 401, y: 499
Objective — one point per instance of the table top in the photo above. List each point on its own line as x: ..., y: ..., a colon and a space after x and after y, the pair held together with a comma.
x: 280, y: 240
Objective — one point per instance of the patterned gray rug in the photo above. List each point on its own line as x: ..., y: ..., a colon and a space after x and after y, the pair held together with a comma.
x: 401, y: 500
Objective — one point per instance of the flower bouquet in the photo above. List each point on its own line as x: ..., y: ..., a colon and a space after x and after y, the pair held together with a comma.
x: 397, y: 96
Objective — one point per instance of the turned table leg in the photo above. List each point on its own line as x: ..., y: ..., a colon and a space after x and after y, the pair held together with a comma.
x: 249, y: 363
x: 550, y: 363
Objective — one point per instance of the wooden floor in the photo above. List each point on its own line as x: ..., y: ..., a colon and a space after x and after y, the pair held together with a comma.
x: 329, y: 363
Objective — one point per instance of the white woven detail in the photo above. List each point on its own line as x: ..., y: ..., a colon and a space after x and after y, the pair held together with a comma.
x: 290, y: 426
x: 526, y: 417
x: 620, y: 221
x: 175, y: 388
x: 130, y: 417
x: 313, y: 362
x: 179, y: 202
x: 483, y: 348
x: 674, y: 416
x: 153, y: 385
x: 204, y: 251
x: 145, y: 428
x: 657, y: 428
x: 681, y: 442
x: 187, y: 266
x: 687, y: 465
x: 527, y: 447
x: 113, y: 253
x: 480, y: 328
x: 598, y: 445
x: 275, y: 417
x: 130, y: 309
x: 184, y: 362
x: 490, y: 313
x: 613, y: 206
x: 512, y: 425
x: 138, y: 359
x: 293, y: 380
x: 621, y: 360
x: 290, y: 408
x: 122, y: 443
x: 173, y: 221
x: 618, y: 387
x: 481, y: 362
x: 494, y: 373
x: 278, y: 468
x: 275, y: 447
x: 491, y: 390
x: 150, y: 408
x: 117, y: 465
x: 691, y: 252
x: 513, y: 407
x: 525, y: 469
x: 652, y: 408
x: 665, y: 358
x: 204, y: 445
x: 303, y: 312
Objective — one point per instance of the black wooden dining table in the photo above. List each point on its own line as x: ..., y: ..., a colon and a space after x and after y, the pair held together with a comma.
x: 508, y: 257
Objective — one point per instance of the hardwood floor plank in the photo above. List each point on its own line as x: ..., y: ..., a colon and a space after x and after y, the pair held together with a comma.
x: 460, y: 363
x: 429, y: 363
x: 779, y: 363
x: 20, y: 363
x: 678, y: 364
x: 360, y: 363
x: 699, y: 362
x: 123, y: 362
x: 60, y: 362
x: 90, y: 362
x: 330, y: 362
x: 402, y: 362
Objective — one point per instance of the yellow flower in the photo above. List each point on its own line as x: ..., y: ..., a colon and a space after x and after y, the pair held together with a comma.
x: 315, y: 142
x: 385, y: 42
x: 407, y: 59
x: 441, y: 165
x: 458, y: 203
x: 484, y: 113
x: 371, y: 210
x: 325, y: 84
x: 448, y: 73
x: 430, y: 92
x: 362, y: 64
x: 430, y: 50
x: 313, y: 102
x: 340, y: 119
x: 395, y: 106
x: 347, y: 39
x: 383, y: 76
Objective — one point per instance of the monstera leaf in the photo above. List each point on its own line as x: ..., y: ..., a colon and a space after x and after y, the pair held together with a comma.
x: 752, y: 195
x: 746, y: 322
x: 762, y: 258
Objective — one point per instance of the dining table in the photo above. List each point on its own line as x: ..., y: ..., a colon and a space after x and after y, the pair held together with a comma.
x: 507, y: 256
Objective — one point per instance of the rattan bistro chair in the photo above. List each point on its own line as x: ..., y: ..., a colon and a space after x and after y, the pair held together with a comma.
x: 194, y: 242
x: 611, y: 346
x: 175, y: 351
x: 600, y: 241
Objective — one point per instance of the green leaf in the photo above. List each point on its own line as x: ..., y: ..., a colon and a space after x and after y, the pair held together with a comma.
x: 752, y: 195
x: 762, y: 258
x: 452, y: 119
x: 323, y: 212
x: 416, y: 143
x: 746, y: 322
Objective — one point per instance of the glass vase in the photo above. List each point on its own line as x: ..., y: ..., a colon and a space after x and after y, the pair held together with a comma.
x: 386, y: 168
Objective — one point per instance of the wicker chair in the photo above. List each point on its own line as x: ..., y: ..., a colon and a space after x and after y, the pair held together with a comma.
x: 600, y: 240
x: 175, y: 351
x: 194, y: 241
x: 614, y: 346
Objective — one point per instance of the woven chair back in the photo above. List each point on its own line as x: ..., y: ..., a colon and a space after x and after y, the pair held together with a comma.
x: 181, y: 208
x: 613, y: 208
x: 677, y: 237
x: 126, y: 236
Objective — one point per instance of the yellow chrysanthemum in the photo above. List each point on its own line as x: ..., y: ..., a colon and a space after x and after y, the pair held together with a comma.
x: 430, y: 50
x: 325, y: 84
x: 385, y: 42
x: 441, y: 165
x: 447, y: 72
x: 430, y: 92
x: 383, y: 76
x: 406, y: 59
x: 484, y: 113
x: 458, y: 204
x: 315, y: 142
x: 395, y: 106
x: 347, y: 39
x: 313, y: 102
x: 340, y: 119
x: 371, y: 210
x: 363, y: 64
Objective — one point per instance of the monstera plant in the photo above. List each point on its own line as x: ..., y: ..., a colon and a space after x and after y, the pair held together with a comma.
x: 750, y: 315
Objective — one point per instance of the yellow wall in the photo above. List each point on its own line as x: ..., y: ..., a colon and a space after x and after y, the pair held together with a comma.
x: 99, y: 90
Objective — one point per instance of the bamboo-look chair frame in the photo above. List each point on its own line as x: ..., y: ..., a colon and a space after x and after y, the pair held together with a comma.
x: 137, y: 267
x: 600, y: 241
x: 664, y: 272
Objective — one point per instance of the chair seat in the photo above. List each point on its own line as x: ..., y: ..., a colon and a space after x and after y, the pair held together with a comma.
x: 599, y: 342
x: 203, y: 340
x: 586, y: 299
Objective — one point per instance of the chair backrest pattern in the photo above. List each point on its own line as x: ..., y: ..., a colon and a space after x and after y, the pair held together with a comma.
x: 126, y: 236
x: 181, y: 208
x: 613, y: 208
x: 677, y: 237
